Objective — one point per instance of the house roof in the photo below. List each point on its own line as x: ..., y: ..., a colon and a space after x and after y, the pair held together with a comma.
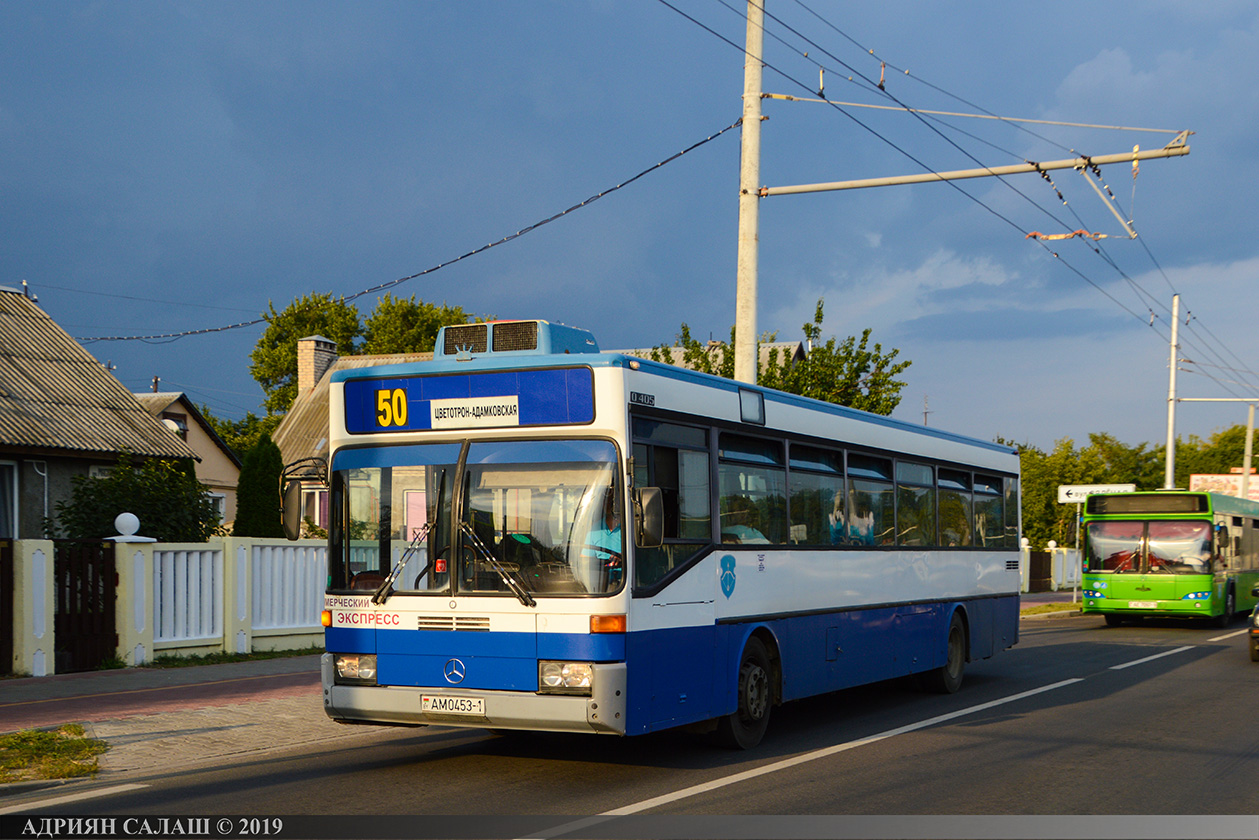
x: 55, y: 396
x: 155, y: 404
x: 303, y: 433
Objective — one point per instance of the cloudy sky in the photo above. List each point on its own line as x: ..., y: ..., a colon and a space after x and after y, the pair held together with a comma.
x: 171, y: 168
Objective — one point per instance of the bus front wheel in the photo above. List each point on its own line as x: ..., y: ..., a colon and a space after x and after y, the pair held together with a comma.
x: 948, y: 677
x: 743, y: 728
x: 1230, y: 606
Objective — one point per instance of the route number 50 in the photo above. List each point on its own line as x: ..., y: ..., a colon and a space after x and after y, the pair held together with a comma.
x: 391, y: 407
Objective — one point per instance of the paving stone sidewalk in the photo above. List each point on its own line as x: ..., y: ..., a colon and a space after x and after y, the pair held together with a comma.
x: 144, y: 744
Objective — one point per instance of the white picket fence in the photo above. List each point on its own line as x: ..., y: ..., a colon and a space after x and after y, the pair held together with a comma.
x: 187, y: 594
x: 235, y: 593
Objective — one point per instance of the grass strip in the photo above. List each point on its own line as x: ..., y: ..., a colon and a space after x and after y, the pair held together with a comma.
x: 220, y: 657
x: 62, y: 753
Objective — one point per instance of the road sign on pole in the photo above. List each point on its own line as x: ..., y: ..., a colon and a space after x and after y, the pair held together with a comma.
x: 1075, y: 493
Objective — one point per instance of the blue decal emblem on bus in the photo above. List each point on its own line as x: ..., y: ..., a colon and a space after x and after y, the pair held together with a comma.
x: 727, y: 575
x: 454, y: 672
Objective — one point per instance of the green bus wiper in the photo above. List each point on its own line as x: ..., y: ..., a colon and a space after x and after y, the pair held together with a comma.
x: 386, y: 589
x: 479, y: 547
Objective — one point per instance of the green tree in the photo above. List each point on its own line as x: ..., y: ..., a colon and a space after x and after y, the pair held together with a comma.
x: 171, y: 504
x: 258, y: 492
x: 400, y: 325
x: 274, y: 358
x: 849, y: 373
x: 1218, y: 454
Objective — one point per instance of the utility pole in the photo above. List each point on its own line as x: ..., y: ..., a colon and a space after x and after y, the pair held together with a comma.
x: 156, y: 381
x: 750, y: 192
x: 745, y: 361
x: 1169, y: 473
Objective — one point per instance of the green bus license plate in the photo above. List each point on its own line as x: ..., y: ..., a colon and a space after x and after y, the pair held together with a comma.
x: 1143, y: 605
x: 474, y: 706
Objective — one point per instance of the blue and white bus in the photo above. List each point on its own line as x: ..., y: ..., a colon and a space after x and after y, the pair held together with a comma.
x: 774, y: 547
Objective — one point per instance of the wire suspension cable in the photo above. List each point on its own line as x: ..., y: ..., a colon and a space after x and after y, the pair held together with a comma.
x: 529, y: 229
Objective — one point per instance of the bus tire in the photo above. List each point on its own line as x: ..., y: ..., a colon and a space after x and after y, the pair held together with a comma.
x: 1113, y: 620
x: 1230, y: 607
x: 743, y: 728
x: 948, y: 677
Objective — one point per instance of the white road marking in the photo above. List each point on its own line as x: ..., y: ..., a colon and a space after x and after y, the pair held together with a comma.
x: 1229, y: 636
x: 1150, y: 658
x: 826, y: 751
x: 73, y: 797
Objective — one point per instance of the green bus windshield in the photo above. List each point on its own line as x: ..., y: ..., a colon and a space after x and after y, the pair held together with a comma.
x: 1177, y: 547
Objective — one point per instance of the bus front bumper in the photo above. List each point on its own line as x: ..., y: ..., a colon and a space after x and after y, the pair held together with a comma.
x: 604, y: 712
x: 1182, y: 608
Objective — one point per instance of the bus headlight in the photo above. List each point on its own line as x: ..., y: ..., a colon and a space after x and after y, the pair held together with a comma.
x: 565, y: 677
x: 356, y: 668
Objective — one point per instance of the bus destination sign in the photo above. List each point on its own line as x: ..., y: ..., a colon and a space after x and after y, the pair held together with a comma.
x: 557, y: 396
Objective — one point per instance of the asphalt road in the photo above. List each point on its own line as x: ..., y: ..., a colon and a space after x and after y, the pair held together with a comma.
x: 1078, y: 719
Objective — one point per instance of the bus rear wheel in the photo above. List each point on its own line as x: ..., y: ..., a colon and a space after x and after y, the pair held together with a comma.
x: 948, y: 677
x: 743, y: 728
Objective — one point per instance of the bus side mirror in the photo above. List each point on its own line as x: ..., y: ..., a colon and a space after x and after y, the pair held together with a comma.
x: 648, y: 517
x: 291, y: 515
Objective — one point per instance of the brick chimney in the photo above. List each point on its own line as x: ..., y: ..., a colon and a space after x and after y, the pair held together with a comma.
x: 315, y: 354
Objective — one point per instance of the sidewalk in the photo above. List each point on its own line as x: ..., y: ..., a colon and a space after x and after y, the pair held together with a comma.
x: 162, y: 719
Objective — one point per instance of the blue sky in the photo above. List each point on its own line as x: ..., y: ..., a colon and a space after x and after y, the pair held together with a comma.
x: 173, y: 167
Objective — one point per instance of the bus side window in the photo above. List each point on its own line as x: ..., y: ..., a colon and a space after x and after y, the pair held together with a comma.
x: 683, y: 478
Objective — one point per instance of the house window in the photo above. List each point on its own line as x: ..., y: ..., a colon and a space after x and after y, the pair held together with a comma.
x: 8, y: 500
x: 177, y: 423
x: 220, y: 504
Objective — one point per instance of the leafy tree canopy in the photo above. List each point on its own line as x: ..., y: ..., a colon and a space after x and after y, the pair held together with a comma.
x: 171, y: 504
x: 396, y: 325
x: 849, y: 373
x: 275, y: 355
x: 407, y: 326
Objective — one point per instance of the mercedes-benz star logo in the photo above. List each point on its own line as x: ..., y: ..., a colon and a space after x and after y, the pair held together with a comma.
x: 454, y: 671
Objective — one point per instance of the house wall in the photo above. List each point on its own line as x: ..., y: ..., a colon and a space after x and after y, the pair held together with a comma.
x: 215, y: 469
x: 42, y: 482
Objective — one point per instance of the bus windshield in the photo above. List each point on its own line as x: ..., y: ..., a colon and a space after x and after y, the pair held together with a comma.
x: 540, y: 517
x: 1156, y: 547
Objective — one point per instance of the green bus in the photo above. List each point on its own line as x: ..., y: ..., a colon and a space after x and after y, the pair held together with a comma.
x: 1169, y: 554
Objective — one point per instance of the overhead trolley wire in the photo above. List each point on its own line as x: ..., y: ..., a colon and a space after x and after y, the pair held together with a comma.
x: 911, y: 157
x: 923, y: 115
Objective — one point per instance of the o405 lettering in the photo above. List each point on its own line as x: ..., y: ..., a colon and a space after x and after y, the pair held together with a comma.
x: 391, y: 407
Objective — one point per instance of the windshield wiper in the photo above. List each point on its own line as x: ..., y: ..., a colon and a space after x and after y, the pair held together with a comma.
x: 386, y: 589
x: 512, y: 584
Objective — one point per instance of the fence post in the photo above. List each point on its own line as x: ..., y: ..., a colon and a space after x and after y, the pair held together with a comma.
x: 34, y: 585
x: 237, y: 586
x: 134, y: 616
